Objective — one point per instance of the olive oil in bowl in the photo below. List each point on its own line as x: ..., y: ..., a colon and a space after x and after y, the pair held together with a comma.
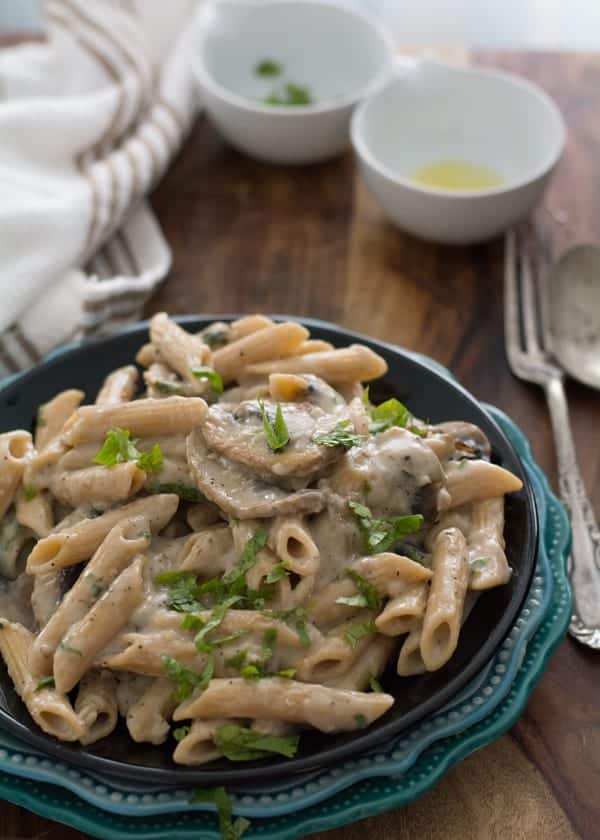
x: 457, y: 175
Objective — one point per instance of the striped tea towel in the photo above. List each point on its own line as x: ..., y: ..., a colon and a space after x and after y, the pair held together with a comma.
x: 89, y: 120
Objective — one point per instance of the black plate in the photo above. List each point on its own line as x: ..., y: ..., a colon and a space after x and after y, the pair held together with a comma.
x: 428, y: 395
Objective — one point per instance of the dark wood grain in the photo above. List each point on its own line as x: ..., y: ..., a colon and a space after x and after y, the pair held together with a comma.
x: 311, y: 241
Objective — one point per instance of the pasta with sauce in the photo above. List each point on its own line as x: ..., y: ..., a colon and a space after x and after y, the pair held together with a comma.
x: 240, y: 551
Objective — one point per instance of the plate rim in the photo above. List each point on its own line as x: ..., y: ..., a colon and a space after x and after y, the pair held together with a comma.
x: 177, y: 776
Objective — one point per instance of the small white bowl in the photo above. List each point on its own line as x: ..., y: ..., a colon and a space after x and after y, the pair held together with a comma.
x: 433, y: 112
x: 339, y: 54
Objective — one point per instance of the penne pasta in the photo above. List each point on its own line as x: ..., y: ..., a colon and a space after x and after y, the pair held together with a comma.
x: 77, y: 651
x: 279, y: 340
x: 485, y: 544
x: 34, y: 513
x: 351, y: 364
x: 293, y: 544
x: 78, y: 542
x: 399, y: 614
x: 410, y: 660
x: 443, y: 614
x: 473, y: 481
x: 104, y: 485
x: 15, y: 450
x: 180, y: 351
x: 119, y: 386
x: 148, y: 718
x: 96, y: 706
x: 198, y: 746
x: 53, y: 415
x: 325, y: 709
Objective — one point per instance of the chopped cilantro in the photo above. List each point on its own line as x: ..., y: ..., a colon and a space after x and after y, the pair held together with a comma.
x: 237, y: 660
x: 292, y: 94
x: 358, y: 631
x: 181, y: 732
x: 70, y: 649
x: 235, y: 578
x: 381, y: 534
x: 278, y: 572
x: 361, y: 721
x: 215, y: 336
x: 342, y: 435
x: 367, y: 597
x: 45, y: 682
x: 375, y: 685
x: 479, y: 563
x: 215, y: 618
x: 214, y: 379
x: 118, y: 448
x: 251, y: 672
x: 186, y: 680
x: 268, y: 67
x: 296, y: 618
x: 237, y: 743
x: 185, y: 491
x: 169, y: 389
x: 30, y: 491
x: 230, y: 830
x: 276, y: 431
x: 389, y: 413
x: 182, y: 590
x: 95, y: 584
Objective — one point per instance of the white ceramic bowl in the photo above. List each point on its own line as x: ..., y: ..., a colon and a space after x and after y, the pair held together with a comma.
x: 433, y: 112
x: 339, y: 54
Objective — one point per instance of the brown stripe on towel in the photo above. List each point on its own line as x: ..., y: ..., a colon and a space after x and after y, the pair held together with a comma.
x: 11, y: 365
x: 25, y: 344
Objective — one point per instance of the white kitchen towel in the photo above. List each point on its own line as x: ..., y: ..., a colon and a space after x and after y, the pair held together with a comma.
x: 89, y: 121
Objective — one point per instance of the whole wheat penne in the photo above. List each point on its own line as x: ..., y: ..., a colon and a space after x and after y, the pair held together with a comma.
x: 485, y: 544
x: 143, y: 418
x: 127, y: 539
x: 16, y: 449
x: 391, y: 573
x: 79, y: 542
x: 314, y: 345
x: 247, y: 325
x: 119, y: 386
x: 76, y: 653
x: 161, y: 382
x: 368, y: 664
x: 210, y: 552
x: 45, y: 598
x: 49, y: 708
x: 54, y: 414
x: 105, y: 485
x: 398, y: 615
x: 326, y: 709
x: 13, y: 539
x: 471, y: 481
x: 330, y: 658
x: 96, y: 705
x: 279, y: 341
x: 34, y: 512
x: 348, y: 364
x: 148, y: 718
x: 443, y: 614
x: 198, y: 746
x: 410, y: 660
x: 180, y: 350
x: 203, y: 514
x: 291, y: 540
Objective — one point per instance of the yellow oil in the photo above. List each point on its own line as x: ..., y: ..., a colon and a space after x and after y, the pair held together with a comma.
x: 457, y: 175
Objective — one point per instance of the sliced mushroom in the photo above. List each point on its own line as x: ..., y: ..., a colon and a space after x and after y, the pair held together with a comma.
x: 238, y: 491
x: 469, y: 440
x: 395, y: 473
x: 238, y: 433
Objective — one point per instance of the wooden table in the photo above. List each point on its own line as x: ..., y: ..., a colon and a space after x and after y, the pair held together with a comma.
x: 311, y: 241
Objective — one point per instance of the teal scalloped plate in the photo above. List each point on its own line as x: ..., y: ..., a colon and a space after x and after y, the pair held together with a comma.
x: 369, y: 784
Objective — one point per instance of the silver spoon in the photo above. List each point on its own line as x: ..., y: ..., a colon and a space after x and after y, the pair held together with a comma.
x: 571, y: 326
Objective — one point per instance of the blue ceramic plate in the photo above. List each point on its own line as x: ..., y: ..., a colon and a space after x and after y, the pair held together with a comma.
x: 365, y: 785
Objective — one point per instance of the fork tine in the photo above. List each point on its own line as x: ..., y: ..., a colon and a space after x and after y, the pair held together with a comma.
x: 512, y: 338
x: 529, y: 303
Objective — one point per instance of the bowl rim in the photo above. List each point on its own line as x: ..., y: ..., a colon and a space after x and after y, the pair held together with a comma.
x: 175, y: 775
x: 365, y: 155
x: 206, y: 79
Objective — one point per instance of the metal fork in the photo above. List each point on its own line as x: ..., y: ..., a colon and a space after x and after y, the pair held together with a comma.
x: 531, y: 361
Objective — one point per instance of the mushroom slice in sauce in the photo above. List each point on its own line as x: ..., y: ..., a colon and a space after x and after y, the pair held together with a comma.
x: 307, y: 388
x: 238, y: 433
x: 238, y: 491
x: 469, y: 440
x: 394, y: 473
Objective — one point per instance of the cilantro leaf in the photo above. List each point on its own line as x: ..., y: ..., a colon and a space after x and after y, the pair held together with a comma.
x: 238, y: 743
x: 375, y: 685
x: 119, y: 448
x: 278, y: 572
x: 216, y: 335
x: 237, y: 660
x: 296, y: 618
x: 182, y: 590
x: 184, y: 678
x: 342, y: 435
x: 235, y: 578
x: 151, y: 461
x: 215, y: 618
x: 361, y: 721
x: 389, y: 413
x: 268, y: 67
x: 367, y: 597
x: 358, y: 631
x: 478, y: 563
x: 181, y: 732
x: 214, y: 379
x: 185, y: 491
x: 218, y: 796
x: 45, y: 682
x: 276, y: 431
x: 381, y: 534
x: 30, y: 491
x: 70, y: 649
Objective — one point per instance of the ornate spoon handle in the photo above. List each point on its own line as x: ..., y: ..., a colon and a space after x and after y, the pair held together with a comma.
x: 584, y: 568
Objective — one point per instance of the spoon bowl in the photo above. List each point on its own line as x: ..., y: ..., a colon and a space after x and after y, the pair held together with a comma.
x: 572, y: 313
